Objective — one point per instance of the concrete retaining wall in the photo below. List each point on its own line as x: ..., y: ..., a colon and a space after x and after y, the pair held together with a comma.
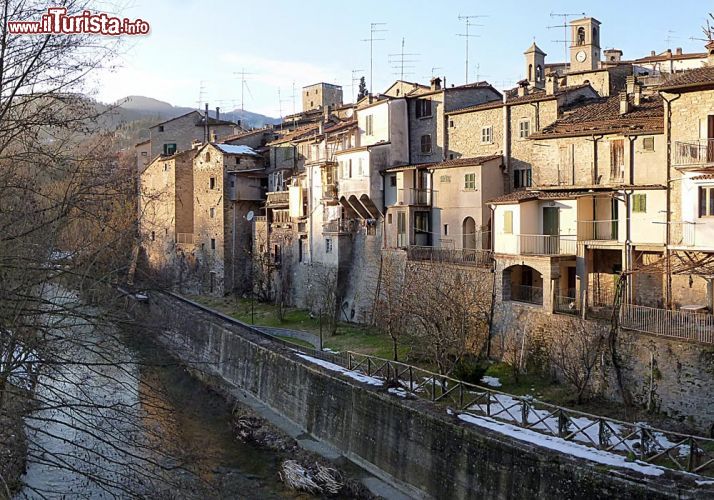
x: 411, y: 443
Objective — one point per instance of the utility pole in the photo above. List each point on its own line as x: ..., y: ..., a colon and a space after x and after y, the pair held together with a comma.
x: 373, y: 29
x: 565, y: 39
x: 397, y: 61
x: 467, y: 35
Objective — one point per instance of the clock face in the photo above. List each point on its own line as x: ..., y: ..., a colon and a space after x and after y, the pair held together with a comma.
x: 581, y: 56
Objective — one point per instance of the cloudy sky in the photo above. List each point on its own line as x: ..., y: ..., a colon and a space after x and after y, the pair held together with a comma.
x: 198, y: 48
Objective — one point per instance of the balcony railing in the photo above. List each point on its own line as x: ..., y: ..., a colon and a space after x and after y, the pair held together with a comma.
x: 682, y: 233
x: 694, y: 152
x: 528, y: 294
x: 281, y: 216
x: 184, y: 238
x: 542, y: 244
x: 566, y: 305
x: 472, y: 257
x: 412, y: 196
x: 597, y: 229
x: 694, y: 326
x: 339, y: 226
x: 278, y: 198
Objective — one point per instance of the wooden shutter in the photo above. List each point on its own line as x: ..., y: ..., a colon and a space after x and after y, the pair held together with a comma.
x: 508, y: 222
x: 617, y: 159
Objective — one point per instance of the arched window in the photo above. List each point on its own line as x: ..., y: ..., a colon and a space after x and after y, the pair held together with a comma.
x: 530, y: 72
x: 539, y: 73
x: 207, y: 156
x: 581, y: 36
x: 595, y: 36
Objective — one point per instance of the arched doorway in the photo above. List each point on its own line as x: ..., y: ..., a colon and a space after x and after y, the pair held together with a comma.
x: 468, y: 230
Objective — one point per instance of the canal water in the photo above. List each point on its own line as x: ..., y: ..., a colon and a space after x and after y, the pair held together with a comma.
x: 122, y: 419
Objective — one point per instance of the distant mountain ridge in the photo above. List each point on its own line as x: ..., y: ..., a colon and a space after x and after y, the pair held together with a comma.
x: 145, y: 107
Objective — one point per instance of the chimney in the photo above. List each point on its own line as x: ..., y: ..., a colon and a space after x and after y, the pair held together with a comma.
x: 326, y: 115
x: 638, y: 95
x: 218, y: 113
x: 522, y: 88
x: 678, y: 51
x: 436, y: 83
x: 624, y: 103
x: 710, y: 51
x: 214, y: 137
x: 238, y: 123
x: 630, y: 84
x: 551, y: 84
x: 652, y: 53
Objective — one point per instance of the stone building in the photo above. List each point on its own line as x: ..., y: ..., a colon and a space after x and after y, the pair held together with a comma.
x: 597, y: 207
x: 143, y: 152
x: 320, y: 96
x: 180, y: 133
x: 166, y: 211
x: 228, y: 186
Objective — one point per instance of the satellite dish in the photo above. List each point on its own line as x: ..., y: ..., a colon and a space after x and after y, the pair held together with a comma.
x: 249, y: 216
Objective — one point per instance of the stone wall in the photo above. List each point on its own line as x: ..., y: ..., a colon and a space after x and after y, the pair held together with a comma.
x: 676, y: 373
x: 465, y: 133
x: 411, y: 443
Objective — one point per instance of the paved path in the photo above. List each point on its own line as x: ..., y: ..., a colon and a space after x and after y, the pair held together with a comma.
x: 293, y: 334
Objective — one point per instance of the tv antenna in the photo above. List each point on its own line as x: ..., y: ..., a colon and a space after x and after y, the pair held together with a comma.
x: 243, y: 86
x: 374, y: 28
x: 565, y: 39
x: 201, y: 93
x: 478, y: 72
x: 397, y: 62
x: 467, y: 35
x: 669, y: 37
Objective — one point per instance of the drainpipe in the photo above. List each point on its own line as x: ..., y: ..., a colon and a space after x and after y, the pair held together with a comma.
x: 595, y: 169
x: 506, y: 141
x: 536, y: 106
x: 668, y: 265
x: 628, y: 244
x: 631, y: 174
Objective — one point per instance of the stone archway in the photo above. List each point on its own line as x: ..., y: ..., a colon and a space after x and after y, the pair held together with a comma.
x: 523, y: 283
x: 468, y: 231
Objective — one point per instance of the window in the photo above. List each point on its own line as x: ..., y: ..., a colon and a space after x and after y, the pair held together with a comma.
x: 237, y: 161
x: 581, y: 36
x: 524, y: 129
x: 451, y: 123
x: 522, y: 178
x: 276, y: 254
x: 421, y: 222
x: 389, y: 218
x: 153, y: 236
x: 617, y: 159
x: 470, y: 182
x: 706, y: 201
x: 312, y: 104
x: 349, y: 169
x: 423, y: 108
x: 639, y: 203
x: 144, y: 153
x: 393, y: 180
x: 445, y: 179
x: 508, y: 222
x: 169, y: 148
x: 486, y: 135
x: 328, y: 245
x: 161, y: 128
x: 426, y: 144
x: 212, y: 183
x: 233, y: 183
x: 166, y: 231
x: 360, y: 169
x: 648, y: 143
x: 213, y: 243
x: 446, y: 230
x: 212, y: 212
x: 369, y: 125
x: 207, y: 156
x: 166, y: 167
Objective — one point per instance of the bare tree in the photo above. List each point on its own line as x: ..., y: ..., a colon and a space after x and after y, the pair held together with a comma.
x: 574, y: 353
x: 322, y: 294
x: 391, y: 312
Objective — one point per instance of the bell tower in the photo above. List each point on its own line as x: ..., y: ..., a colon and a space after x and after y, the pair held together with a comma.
x: 585, y: 44
x: 535, y: 66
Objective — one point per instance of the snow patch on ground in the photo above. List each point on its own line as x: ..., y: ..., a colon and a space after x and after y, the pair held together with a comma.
x: 337, y: 368
x: 398, y: 391
x: 567, y: 447
x: 491, y: 381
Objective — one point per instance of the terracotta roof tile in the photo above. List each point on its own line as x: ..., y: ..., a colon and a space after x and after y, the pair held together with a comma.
x: 457, y: 162
x: 603, y: 116
x: 699, y: 77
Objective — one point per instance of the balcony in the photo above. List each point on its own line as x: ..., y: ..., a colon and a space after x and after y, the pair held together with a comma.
x: 597, y: 230
x: 543, y: 244
x: 339, y: 226
x: 281, y: 218
x: 693, y: 153
x: 278, y: 199
x: 184, y: 238
x: 413, y: 196
x: 473, y: 257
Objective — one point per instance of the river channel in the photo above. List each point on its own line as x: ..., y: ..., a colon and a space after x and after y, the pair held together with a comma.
x: 127, y: 421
